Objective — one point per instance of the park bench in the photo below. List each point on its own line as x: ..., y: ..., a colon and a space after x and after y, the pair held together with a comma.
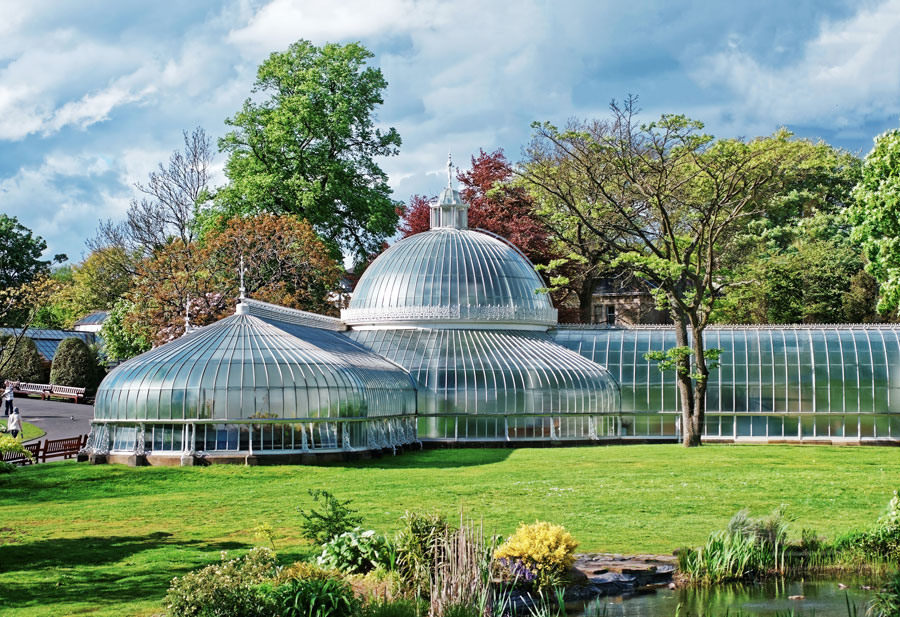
x: 31, y: 388
x: 66, y: 448
x: 76, y: 394
x: 20, y: 459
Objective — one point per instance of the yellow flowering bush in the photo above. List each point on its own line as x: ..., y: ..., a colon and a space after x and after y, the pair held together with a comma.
x: 539, y: 553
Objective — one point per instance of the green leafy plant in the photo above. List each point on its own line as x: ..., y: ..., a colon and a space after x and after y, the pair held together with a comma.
x: 304, y: 570
x: 396, y: 607
x: 357, y: 551
x: 748, y: 547
x: 10, y: 444
x: 335, y: 518
x: 309, y: 597
x: 226, y: 589
x: 416, y: 543
x: 266, y: 533
x: 886, y: 601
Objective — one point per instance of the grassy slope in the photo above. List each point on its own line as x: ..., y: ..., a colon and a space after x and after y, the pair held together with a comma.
x: 106, y: 540
x: 29, y: 430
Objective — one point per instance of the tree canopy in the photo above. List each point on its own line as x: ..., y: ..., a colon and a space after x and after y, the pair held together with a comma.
x: 876, y: 216
x: 664, y: 201
x: 20, y: 253
x: 309, y: 147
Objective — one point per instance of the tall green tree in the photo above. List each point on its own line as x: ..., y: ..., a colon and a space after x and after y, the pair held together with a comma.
x: 307, y: 145
x: 20, y: 253
x: 876, y: 216
x: 797, y: 262
x: 665, y: 202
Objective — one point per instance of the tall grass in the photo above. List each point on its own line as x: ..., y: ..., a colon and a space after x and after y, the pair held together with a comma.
x: 461, y: 575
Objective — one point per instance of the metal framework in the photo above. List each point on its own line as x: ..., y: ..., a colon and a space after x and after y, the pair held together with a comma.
x: 774, y: 382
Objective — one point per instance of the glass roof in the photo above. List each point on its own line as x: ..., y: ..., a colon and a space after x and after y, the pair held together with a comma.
x: 248, y: 367
x: 450, y: 274
x: 495, y: 372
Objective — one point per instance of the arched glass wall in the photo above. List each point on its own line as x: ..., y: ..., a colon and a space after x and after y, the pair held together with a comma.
x: 787, y: 382
x: 252, y: 384
x: 499, y: 384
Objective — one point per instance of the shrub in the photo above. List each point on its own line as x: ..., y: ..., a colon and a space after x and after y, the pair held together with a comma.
x: 22, y: 362
x: 335, y: 518
x: 6, y: 467
x: 882, y: 540
x: 542, y: 550
x: 886, y: 602
x: 76, y: 364
x: 310, y: 597
x: 8, y: 443
x: 748, y: 547
x: 226, y: 589
x: 305, y: 570
x: 357, y: 551
x: 397, y: 607
x: 416, y: 543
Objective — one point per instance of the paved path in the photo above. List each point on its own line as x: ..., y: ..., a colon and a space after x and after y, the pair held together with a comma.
x: 58, y: 418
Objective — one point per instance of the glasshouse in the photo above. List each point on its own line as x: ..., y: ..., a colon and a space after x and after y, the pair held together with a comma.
x: 448, y: 340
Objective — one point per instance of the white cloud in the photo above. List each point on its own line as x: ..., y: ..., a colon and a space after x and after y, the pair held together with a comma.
x: 281, y: 22
x: 848, y: 72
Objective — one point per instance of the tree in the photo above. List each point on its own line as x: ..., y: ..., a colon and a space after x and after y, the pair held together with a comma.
x: 76, y: 364
x: 122, y: 333
x: 665, y: 202
x: 309, y: 149
x: 876, y: 217
x: 795, y: 261
x: 286, y: 263
x: 173, y: 194
x: 415, y: 216
x: 20, y: 254
x: 20, y: 360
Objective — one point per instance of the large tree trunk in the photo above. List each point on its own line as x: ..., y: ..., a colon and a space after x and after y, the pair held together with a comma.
x: 690, y: 436
x: 700, y: 385
x: 586, y: 298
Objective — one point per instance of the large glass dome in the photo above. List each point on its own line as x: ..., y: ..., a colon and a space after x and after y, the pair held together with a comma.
x: 450, y: 274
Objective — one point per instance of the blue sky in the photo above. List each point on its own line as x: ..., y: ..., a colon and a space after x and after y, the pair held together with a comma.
x: 94, y: 94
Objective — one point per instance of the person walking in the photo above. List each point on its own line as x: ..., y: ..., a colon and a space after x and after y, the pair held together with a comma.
x: 8, y: 398
x: 14, y: 425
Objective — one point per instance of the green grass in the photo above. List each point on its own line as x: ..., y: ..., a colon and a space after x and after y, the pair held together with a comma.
x: 106, y: 540
x: 29, y: 430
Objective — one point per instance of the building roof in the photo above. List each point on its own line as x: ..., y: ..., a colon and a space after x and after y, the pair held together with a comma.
x: 450, y: 274
x: 47, y: 340
x: 93, y: 319
x: 246, y: 366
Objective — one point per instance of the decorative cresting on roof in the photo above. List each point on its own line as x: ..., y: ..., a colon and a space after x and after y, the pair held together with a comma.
x: 246, y: 366
x: 289, y: 315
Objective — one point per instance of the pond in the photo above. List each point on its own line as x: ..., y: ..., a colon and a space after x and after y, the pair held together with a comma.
x: 820, y: 598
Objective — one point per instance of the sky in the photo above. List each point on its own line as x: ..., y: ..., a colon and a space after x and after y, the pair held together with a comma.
x: 93, y: 95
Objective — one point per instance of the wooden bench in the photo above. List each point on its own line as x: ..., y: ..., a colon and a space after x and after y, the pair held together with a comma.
x: 18, y: 458
x: 76, y: 394
x: 66, y: 448
x: 31, y: 388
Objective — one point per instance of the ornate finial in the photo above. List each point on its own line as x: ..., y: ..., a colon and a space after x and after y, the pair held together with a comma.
x: 243, y: 291
x: 449, y: 171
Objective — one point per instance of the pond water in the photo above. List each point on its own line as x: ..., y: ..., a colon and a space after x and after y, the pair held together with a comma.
x: 821, y: 599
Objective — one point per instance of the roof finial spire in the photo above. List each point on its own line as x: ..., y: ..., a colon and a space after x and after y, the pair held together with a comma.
x: 187, y: 315
x: 449, y: 171
x: 243, y: 290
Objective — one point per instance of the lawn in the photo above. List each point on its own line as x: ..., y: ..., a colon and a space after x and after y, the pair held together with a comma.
x: 105, y: 540
x: 29, y: 430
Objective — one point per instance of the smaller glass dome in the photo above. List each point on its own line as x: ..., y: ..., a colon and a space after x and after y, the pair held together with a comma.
x: 245, y: 366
